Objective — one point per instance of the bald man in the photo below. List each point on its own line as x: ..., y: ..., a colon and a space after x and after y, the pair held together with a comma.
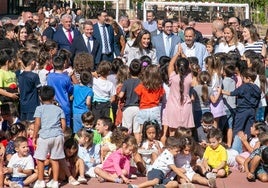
x: 25, y: 16
x: 217, y: 28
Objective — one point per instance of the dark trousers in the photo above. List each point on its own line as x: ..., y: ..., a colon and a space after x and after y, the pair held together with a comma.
x: 107, y: 57
x: 101, y: 109
x: 244, y: 119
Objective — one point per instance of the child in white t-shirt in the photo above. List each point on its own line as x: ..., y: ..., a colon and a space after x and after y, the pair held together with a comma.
x: 21, y: 165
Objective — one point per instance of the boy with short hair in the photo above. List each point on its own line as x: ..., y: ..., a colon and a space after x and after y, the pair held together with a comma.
x: 164, y: 164
x: 248, y: 97
x: 8, y: 86
x: 63, y: 87
x: 49, y: 127
x: 21, y: 165
x: 88, y: 123
x: 82, y: 95
x: 104, y: 127
x: 215, y: 156
x: 207, y: 122
x: 29, y: 84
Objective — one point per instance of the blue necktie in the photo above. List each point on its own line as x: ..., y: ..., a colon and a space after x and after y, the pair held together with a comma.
x: 88, y: 45
x: 167, y: 46
x: 106, y: 47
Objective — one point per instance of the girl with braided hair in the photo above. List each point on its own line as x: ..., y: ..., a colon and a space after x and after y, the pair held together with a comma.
x: 179, y: 105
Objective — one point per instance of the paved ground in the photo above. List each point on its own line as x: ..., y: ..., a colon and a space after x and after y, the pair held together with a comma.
x: 234, y: 180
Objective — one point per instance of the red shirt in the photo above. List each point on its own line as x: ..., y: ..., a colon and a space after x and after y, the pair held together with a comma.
x: 149, y: 98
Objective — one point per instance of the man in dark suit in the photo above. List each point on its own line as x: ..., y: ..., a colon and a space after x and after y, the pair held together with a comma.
x: 51, y: 29
x: 86, y: 42
x: 104, y: 33
x: 65, y: 33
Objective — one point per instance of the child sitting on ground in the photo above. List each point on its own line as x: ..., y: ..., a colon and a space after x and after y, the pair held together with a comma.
x: 21, y: 165
x: 116, y: 168
x: 164, y: 164
x: 215, y: 156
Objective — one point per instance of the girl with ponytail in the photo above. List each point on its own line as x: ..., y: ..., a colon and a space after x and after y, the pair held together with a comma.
x: 179, y: 105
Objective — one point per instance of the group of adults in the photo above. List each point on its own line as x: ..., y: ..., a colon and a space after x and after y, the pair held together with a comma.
x: 107, y: 39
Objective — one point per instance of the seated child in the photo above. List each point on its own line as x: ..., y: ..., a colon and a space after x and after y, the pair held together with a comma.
x: 72, y: 165
x: 207, y: 122
x: 255, y: 164
x: 104, y: 126
x: 215, y: 156
x: 185, y: 161
x: 249, y: 144
x: 163, y: 165
x: 16, y: 130
x: 88, y: 151
x: 88, y: 123
x: 116, y: 168
x: 150, y: 148
x: 21, y: 165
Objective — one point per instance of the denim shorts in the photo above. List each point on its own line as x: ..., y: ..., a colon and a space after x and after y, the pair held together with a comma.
x: 158, y: 174
x: 149, y: 114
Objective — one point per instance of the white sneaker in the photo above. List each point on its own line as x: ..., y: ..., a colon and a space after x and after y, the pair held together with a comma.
x: 39, y: 184
x: 82, y: 180
x: 52, y: 184
x: 73, y: 181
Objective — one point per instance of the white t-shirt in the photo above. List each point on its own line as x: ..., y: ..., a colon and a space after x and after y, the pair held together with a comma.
x: 145, y: 145
x: 25, y: 163
x: 103, y: 90
x: 163, y: 161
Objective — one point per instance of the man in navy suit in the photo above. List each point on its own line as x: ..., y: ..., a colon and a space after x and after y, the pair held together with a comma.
x: 166, y: 41
x: 51, y: 29
x: 86, y: 42
x: 65, y: 34
x: 104, y: 33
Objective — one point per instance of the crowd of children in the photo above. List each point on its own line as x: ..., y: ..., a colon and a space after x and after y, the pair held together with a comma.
x: 173, y: 123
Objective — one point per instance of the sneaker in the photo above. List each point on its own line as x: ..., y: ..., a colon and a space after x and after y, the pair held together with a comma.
x: 15, y: 185
x: 212, y: 182
x: 52, y: 184
x: 133, y: 176
x: 73, y: 181
x: 210, y: 175
x: 82, y: 180
x: 39, y: 184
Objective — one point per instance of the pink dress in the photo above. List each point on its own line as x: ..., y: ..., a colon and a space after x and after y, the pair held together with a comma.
x: 178, y: 115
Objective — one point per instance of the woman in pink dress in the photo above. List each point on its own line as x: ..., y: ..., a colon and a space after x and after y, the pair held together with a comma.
x: 179, y: 104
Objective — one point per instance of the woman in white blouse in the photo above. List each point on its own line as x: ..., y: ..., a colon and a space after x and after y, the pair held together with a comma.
x: 142, y: 46
x: 230, y: 42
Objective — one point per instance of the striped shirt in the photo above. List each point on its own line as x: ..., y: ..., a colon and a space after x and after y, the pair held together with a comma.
x: 255, y: 46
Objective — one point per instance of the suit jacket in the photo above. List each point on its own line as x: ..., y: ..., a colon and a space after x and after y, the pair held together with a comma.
x: 49, y: 32
x: 159, y: 45
x: 113, y: 44
x: 62, y: 40
x: 79, y: 45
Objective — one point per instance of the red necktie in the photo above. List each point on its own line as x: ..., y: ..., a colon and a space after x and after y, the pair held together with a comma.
x: 70, y: 38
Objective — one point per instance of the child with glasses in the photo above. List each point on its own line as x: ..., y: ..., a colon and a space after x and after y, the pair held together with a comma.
x: 207, y: 123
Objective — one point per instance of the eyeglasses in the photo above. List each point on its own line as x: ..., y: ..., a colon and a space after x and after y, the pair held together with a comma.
x: 207, y: 126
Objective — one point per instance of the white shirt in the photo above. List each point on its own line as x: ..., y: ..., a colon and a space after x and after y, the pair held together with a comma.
x: 90, y: 42
x: 67, y: 33
x: 26, y: 163
x: 190, y: 52
x: 103, y: 90
x: 163, y: 161
x: 101, y: 27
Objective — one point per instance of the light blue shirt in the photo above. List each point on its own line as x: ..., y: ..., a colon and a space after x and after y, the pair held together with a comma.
x: 87, y: 154
x: 101, y: 27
